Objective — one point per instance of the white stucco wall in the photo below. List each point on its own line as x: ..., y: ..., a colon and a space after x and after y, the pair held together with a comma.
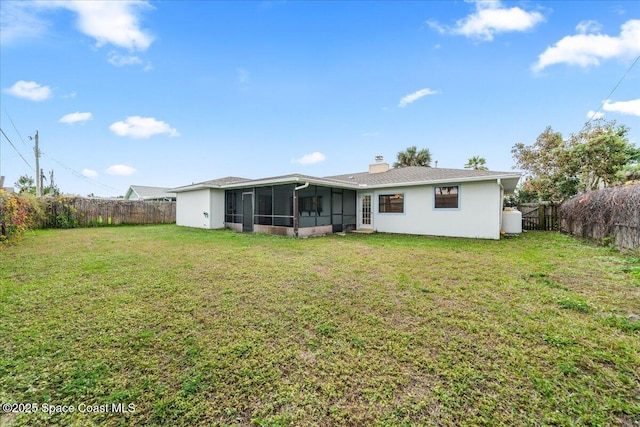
x: 478, y: 215
x: 216, y: 209
x: 192, y: 205
x: 190, y: 208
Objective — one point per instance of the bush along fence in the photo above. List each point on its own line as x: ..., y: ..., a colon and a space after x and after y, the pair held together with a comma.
x: 610, y: 215
x: 18, y: 213
x: 540, y: 216
x: 70, y: 212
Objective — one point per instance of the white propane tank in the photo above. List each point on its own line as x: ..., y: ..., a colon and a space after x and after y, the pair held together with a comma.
x: 511, y: 221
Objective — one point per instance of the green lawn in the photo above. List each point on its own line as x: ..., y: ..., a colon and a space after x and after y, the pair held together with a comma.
x: 196, y: 327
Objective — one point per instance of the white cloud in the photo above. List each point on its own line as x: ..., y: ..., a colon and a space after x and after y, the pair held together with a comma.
x: 30, y: 90
x: 142, y: 127
x: 75, y: 118
x: 121, y: 61
x: 594, y: 115
x: 17, y: 22
x: 623, y: 107
x: 618, y: 10
x: 413, y: 97
x: 435, y: 25
x: 242, y: 75
x: 590, y: 26
x: 310, y: 159
x: 89, y: 173
x: 120, y: 170
x: 118, y: 60
x: 111, y: 22
x: 491, y: 18
x: 108, y: 22
x: 588, y: 49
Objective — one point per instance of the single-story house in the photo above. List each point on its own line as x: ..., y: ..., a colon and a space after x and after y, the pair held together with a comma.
x: 5, y: 189
x: 410, y: 200
x: 141, y: 192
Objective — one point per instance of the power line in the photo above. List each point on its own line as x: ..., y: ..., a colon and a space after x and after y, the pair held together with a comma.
x: 73, y: 171
x: 80, y: 175
x: 14, y: 147
x: 612, y: 90
x: 14, y: 127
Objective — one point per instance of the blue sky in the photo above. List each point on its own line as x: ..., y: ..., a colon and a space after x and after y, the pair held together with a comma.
x: 170, y: 93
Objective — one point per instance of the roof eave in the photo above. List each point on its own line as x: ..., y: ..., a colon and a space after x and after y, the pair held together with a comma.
x: 441, y: 181
x: 289, y: 180
x: 192, y: 187
x: 337, y: 183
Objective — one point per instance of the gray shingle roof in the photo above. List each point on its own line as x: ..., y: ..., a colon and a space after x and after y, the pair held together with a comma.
x: 417, y: 174
x: 294, y: 178
x: 225, y: 181
x: 397, y: 176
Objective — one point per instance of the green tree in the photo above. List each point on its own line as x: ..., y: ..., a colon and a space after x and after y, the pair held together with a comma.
x: 477, y: 163
x: 545, y: 163
x: 26, y: 184
x: 559, y: 168
x: 412, y: 157
x: 599, y: 152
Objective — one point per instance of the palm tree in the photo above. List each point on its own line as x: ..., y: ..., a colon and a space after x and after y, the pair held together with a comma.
x: 25, y: 184
x: 412, y: 157
x: 476, y: 163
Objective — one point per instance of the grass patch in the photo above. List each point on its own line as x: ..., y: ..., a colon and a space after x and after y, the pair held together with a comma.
x: 632, y: 266
x: 623, y: 323
x: 575, y: 304
x: 197, y: 327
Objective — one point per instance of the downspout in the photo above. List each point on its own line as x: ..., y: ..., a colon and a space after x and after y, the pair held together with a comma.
x: 295, y: 207
x: 501, y: 201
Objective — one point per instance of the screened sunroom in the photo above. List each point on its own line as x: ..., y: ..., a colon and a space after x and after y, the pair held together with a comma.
x: 290, y: 209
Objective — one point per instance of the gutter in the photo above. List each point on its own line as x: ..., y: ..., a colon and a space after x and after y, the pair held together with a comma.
x: 439, y: 181
x: 305, y: 185
x: 295, y: 207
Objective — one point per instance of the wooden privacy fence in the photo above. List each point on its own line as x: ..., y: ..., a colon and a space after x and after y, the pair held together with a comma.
x: 540, y: 216
x: 69, y: 212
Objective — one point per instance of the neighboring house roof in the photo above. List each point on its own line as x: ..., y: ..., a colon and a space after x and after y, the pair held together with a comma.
x: 142, y: 192
x: 3, y: 188
x: 405, y: 176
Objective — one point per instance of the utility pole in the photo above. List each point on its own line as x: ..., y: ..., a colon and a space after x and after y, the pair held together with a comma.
x: 38, y: 172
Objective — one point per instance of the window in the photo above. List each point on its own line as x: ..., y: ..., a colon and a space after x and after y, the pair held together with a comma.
x: 447, y: 197
x: 264, y: 206
x: 310, y: 204
x: 283, y: 205
x: 391, y: 203
x: 233, y: 208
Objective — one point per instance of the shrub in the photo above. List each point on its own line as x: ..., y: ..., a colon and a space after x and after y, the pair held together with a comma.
x: 18, y: 213
x: 59, y: 212
x: 609, y: 215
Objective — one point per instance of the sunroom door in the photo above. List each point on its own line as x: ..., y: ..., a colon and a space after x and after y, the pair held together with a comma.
x: 247, y: 212
x: 365, y: 211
